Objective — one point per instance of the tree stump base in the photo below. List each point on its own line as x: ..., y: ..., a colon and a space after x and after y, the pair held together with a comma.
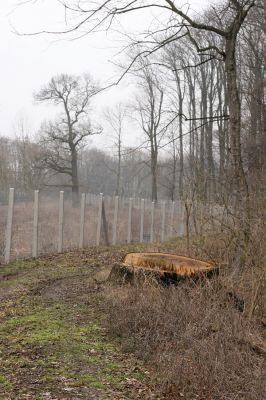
x: 159, y: 267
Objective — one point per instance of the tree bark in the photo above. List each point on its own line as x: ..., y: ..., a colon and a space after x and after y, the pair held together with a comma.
x: 74, y: 176
x: 240, y: 184
x: 118, y: 172
x: 181, y: 150
x: 154, y: 169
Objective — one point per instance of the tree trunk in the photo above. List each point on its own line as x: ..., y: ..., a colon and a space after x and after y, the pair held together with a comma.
x: 221, y: 127
x: 118, y: 173
x: 202, y: 173
x: 181, y: 150
x: 173, y: 183
x: 209, y: 137
x: 239, y: 181
x: 75, y: 181
x: 154, y: 176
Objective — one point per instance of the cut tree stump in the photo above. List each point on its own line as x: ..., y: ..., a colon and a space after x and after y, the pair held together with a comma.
x: 164, y: 268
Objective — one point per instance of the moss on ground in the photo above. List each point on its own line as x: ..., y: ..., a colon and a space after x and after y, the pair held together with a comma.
x: 52, y: 341
x: 5, y: 384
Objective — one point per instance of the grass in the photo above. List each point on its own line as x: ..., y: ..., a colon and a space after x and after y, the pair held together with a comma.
x: 5, y: 385
x: 65, y: 333
x: 52, y: 339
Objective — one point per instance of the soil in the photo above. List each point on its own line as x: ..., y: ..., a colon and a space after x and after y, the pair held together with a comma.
x: 53, y: 344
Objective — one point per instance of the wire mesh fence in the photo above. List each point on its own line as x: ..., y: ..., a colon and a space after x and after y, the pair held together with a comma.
x: 44, y: 223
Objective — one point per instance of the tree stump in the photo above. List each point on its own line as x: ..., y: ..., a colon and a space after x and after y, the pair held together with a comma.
x: 163, y: 268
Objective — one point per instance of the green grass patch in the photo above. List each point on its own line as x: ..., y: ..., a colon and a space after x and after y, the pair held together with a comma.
x: 49, y: 343
x: 5, y: 384
x: 64, y: 343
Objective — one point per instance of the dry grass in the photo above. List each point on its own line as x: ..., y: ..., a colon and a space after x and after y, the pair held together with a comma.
x: 205, y: 341
x: 199, y: 343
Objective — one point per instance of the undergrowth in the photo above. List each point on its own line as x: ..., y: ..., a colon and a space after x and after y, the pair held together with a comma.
x: 204, y: 340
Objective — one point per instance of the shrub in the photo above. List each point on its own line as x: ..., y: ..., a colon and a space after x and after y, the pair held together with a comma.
x: 199, y: 342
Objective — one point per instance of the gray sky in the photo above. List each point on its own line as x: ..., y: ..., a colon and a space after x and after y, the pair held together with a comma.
x: 28, y: 62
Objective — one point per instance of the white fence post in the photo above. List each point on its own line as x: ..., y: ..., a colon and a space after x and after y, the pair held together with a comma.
x: 9, y: 225
x: 99, y: 222
x: 82, y: 220
x: 115, y: 220
x: 141, y: 220
x: 129, y: 226
x: 35, y: 224
x: 172, y: 219
x: 61, y: 222
x: 163, y: 221
x: 152, y: 222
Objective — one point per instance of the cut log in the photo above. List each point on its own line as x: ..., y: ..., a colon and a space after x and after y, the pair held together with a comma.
x: 165, y: 268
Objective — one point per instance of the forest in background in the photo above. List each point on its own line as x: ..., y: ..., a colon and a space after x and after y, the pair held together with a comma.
x: 198, y: 107
x: 199, y: 110
x: 179, y: 109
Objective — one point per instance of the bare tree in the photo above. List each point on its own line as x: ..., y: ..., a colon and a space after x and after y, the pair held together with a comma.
x: 213, y: 35
x: 170, y: 176
x: 252, y: 58
x: 115, y: 118
x: 67, y: 134
x: 149, y: 107
x: 19, y: 159
x: 173, y: 58
x: 228, y: 19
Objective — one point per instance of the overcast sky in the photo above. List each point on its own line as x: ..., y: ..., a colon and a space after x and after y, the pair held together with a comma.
x: 28, y: 62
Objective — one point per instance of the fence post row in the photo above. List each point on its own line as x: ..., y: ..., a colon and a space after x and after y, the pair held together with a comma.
x: 9, y: 224
x: 99, y: 222
x: 176, y: 209
x: 61, y: 222
x: 129, y: 226
x: 82, y: 220
x: 115, y: 220
x: 35, y: 224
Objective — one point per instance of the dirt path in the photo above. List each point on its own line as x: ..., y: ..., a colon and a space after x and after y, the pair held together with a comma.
x: 52, y: 341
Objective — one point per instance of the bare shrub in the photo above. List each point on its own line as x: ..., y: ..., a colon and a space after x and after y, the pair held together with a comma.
x: 198, y: 341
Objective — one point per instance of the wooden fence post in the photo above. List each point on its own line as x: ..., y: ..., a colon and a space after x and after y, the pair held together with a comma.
x: 61, y: 222
x: 152, y: 222
x: 35, y: 224
x: 99, y: 222
x: 9, y: 225
x: 115, y: 220
x: 82, y: 220
x: 129, y: 225
x: 141, y: 220
x: 163, y: 222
